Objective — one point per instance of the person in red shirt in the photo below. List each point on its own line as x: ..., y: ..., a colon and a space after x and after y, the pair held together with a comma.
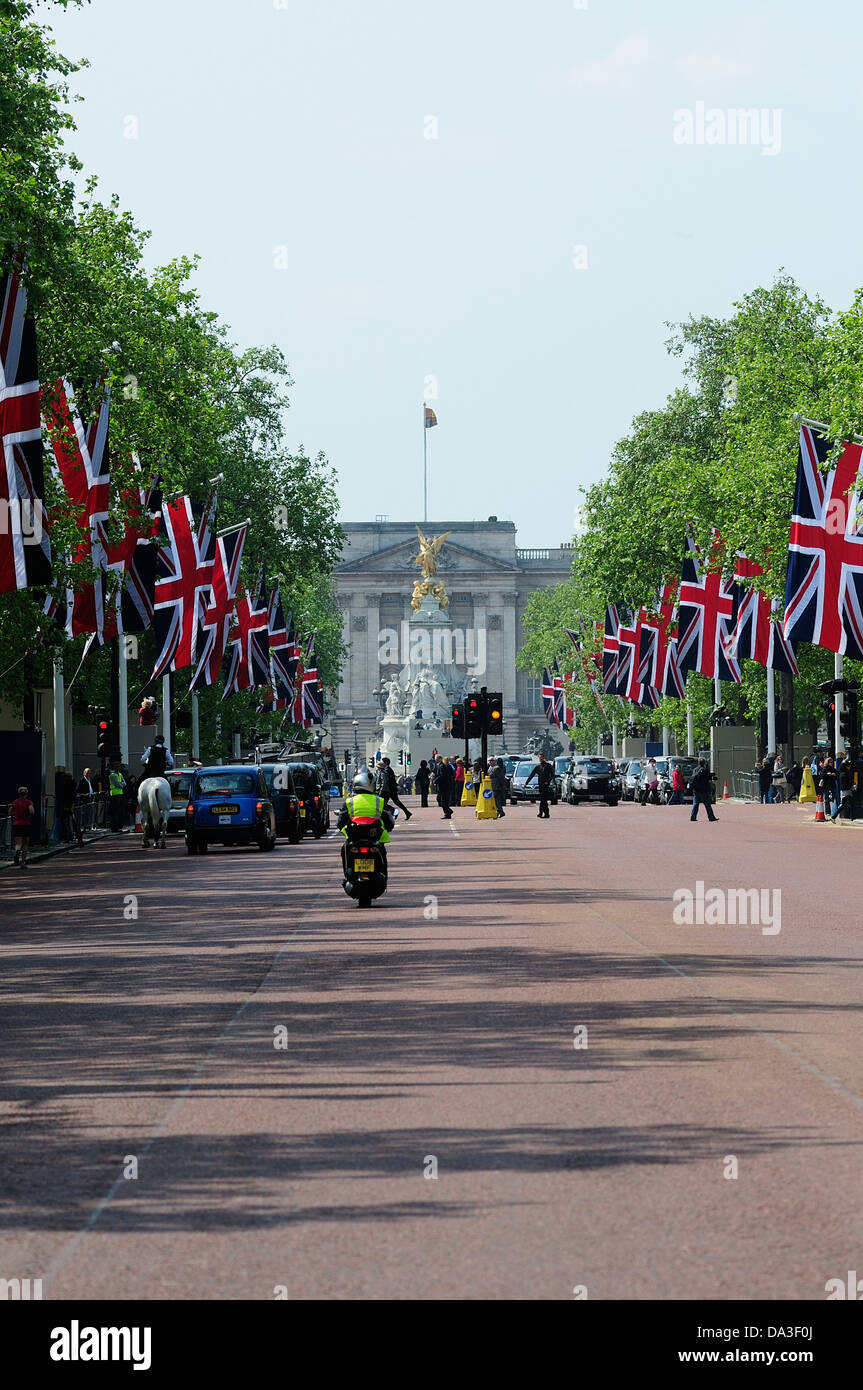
x: 22, y: 814
x: 678, y: 786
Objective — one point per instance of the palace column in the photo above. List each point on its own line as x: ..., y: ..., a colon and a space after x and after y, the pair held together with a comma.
x: 510, y: 648
x: 373, y: 627
x: 480, y: 626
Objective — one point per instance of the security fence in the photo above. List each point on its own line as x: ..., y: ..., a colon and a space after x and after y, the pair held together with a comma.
x: 81, y: 817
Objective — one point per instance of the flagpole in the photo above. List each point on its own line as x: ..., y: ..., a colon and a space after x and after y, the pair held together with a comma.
x: 123, y: 700
x: 839, y: 700
x: 425, y: 468
x: 690, y: 726
x: 196, y: 738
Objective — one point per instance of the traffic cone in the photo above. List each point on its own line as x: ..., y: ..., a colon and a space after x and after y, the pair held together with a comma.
x: 725, y: 793
x: 139, y: 829
x: 819, y: 809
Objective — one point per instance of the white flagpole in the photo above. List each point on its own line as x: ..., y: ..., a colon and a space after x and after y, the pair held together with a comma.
x: 196, y: 740
x: 839, y: 699
x: 425, y: 468
x: 771, y: 712
x: 123, y: 692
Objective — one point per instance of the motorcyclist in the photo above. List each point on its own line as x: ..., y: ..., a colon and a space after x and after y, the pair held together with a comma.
x: 366, y: 808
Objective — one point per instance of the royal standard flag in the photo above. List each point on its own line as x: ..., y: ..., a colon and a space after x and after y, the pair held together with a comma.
x: 431, y: 418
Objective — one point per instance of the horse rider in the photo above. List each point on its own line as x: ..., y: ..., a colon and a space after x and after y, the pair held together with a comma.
x: 365, y: 808
x: 157, y: 758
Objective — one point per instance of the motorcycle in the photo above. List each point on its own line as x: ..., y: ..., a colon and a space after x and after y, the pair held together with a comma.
x: 365, y: 862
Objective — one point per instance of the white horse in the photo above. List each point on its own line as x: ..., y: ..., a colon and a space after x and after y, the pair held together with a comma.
x: 154, y: 803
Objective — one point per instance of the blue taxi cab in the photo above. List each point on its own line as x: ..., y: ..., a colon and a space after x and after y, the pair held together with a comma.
x: 229, y: 806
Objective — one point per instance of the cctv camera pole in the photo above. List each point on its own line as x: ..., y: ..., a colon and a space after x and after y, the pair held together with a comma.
x: 123, y: 700
x: 839, y: 697
x: 166, y: 708
x: 771, y: 711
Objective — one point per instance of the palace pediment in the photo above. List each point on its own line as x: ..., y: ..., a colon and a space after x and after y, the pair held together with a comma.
x: 399, y: 559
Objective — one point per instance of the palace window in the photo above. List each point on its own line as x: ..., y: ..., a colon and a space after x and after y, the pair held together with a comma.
x: 534, y: 694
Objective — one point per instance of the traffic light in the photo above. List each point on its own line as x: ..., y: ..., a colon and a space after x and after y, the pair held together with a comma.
x: 408, y: 759
x: 457, y: 730
x: 347, y: 756
x: 473, y: 716
x: 494, y: 714
x: 848, y: 721
x: 104, y: 736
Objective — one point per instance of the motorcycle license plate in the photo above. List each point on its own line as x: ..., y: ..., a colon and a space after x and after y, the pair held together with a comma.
x: 364, y: 866
x: 224, y: 810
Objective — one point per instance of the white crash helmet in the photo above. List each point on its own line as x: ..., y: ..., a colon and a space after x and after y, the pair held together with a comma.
x: 363, y: 781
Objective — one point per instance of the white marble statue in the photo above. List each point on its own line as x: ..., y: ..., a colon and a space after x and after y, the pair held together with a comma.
x: 395, y: 700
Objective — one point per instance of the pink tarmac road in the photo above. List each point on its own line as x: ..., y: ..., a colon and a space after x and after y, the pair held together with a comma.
x: 390, y: 1104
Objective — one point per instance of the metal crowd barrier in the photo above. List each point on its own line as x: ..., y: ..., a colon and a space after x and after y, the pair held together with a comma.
x: 746, y: 786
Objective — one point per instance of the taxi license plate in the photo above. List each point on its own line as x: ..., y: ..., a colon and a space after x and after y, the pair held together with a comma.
x: 302, y: 813
x: 224, y: 810
x: 364, y: 866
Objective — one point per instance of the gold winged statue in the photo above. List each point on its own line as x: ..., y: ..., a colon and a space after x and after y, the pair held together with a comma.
x: 427, y: 560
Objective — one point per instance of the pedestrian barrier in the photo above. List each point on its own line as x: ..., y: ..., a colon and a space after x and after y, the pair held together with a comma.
x: 486, y: 807
x: 807, y: 786
x: 468, y: 796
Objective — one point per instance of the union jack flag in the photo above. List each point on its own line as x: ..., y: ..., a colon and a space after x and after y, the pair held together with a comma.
x: 552, y: 699
x: 184, y: 578
x: 131, y: 565
x: 283, y: 666
x: 308, y: 700
x: 757, y: 632
x: 610, y: 648
x: 565, y: 710
x: 218, y: 616
x: 824, y: 579
x: 705, y: 615
x: 25, y: 552
x: 82, y: 463
x: 657, y: 628
x: 250, y: 656
x: 591, y: 664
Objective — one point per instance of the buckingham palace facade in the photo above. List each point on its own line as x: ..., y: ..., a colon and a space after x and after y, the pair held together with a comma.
x: 488, y: 580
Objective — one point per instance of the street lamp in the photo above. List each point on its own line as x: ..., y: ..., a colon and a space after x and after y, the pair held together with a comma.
x: 356, y: 724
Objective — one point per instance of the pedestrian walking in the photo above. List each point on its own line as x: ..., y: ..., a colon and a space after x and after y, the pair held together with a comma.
x: 828, y: 785
x: 764, y: 772
x: 678, y: 786
x: 23, y: 812
x: 497, y: 777
x: 700, y: 784
x: 446, y: 788
x: 459, y: 780
x: 795, y: 777
x: 543, y: 771
x: 423, y: 781
x: 845, y: 777
x: 651, y: 783
x: 780, y: 780
x: 389, y: 787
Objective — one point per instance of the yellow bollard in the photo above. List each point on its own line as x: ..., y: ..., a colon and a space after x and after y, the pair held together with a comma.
x: 807, y: 786
x: 486, y: 807
x: 468, y: 795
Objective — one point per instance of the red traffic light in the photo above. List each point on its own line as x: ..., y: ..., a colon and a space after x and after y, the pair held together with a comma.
x: 473, y: 704
x: 103, y: 726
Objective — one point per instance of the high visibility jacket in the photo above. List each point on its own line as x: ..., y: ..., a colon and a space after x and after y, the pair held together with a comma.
x: 365, y: 805
x: 115, y: 784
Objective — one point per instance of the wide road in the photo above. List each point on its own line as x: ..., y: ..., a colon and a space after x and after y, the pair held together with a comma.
x: 705, y: 1143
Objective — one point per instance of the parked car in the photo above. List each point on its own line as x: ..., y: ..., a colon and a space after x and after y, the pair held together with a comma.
x: 622, y: 764
x: 519, y: 791
x: 594, y: 778
x: 562, y: 767
x: 286, y: 804
x: 313, y: 794
x: 631, y: 779
x: 179, y: 779
x: 229, y: 806
x: 509, y: 766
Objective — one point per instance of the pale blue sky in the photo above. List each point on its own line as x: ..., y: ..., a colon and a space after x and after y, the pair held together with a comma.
x: 301, y: 125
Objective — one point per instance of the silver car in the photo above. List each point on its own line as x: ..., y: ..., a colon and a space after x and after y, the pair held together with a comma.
x: 631, y: 780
